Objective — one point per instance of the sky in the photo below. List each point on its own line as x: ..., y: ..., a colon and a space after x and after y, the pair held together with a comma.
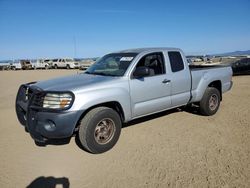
x: 79, y: 28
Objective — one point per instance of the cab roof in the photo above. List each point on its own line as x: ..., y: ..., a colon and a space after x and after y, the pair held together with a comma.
x: 140, y: 50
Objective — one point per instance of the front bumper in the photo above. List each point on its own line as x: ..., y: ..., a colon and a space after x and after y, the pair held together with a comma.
x: 43, y: 125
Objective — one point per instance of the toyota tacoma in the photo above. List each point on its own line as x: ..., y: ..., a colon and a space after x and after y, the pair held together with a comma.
x: 118, y: 88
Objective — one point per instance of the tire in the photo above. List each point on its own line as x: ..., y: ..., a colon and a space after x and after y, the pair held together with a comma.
x: 91, y: 134
x: 67, y: 67
x: 46, y: 67
x: 210, y: 102
x: 55, y: 66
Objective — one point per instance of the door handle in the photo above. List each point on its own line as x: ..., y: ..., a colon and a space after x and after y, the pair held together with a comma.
x: 166, y: 81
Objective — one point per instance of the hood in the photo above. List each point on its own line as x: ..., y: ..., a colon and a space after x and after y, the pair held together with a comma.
x: 73, y: 82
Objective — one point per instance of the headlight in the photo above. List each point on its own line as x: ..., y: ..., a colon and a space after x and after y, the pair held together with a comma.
x: 57, y: 100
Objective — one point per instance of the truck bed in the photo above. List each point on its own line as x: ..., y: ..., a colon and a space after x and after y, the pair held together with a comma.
x: 202, y: 74
x: 202, y: 67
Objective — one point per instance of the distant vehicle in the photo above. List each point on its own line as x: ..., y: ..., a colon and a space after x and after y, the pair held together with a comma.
x: 241, y: 66
x: 49, y: 61
x: 189, y: 61
x: 26, y: 64
x: 64, y: 63
x: 40, y: 64
x: 16, y: 65
x: 5, y: 65
x: 118, y: 88
x: 197, y: 59
x: 86, y: 64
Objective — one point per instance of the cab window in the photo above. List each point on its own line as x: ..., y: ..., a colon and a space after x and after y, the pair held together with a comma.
x: 155, y: 63
x: 176, y: 61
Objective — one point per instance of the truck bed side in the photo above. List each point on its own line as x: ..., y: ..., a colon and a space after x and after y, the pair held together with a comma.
x: 202, y: 77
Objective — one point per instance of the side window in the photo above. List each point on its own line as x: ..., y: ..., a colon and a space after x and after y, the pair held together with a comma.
x: 154, y: 62
x: 176, y: 61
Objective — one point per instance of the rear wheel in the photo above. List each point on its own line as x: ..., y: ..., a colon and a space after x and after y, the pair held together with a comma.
x: 55, y: 66
x: 67, y: 67
x: 100, y: 129
x: 210, y: 101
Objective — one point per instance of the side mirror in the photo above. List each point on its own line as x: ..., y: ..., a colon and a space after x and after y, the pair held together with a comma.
x: 141, y: 72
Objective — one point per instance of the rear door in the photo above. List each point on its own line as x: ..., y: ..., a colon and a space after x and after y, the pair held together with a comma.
x: 152, y: 93
x: 180, y: 78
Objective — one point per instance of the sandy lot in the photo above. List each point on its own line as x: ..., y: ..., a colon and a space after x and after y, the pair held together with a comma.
x: 171, y: 149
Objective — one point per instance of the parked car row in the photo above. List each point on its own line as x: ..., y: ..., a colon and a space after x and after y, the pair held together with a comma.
x: 21, y: 64
x: 59, y: 63
x: 240, y: 65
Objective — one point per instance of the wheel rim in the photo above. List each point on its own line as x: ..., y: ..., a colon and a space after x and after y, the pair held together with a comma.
x: 213, y: 102
x: 104, y: 131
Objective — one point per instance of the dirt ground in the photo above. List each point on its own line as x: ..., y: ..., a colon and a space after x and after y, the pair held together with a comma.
x: 170, y: 149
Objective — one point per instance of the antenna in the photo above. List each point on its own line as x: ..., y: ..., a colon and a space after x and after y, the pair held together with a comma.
x: 74, y: 47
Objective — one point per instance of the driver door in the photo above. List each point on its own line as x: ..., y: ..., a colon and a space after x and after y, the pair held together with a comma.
x: 151, y: 93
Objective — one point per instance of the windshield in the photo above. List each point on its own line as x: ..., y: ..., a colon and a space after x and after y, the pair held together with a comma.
x: 114, y: 64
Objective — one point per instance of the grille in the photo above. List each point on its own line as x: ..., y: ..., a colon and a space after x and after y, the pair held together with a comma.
x: 29, y: 92
x: 38, y: 100
x: 33, y: 95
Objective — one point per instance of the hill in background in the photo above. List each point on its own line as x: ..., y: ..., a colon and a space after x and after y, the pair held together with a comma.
x: 235, y: 53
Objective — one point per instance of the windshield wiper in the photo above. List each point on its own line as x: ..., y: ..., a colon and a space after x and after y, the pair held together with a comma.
x: 98, y: 73
x: 101, y: 73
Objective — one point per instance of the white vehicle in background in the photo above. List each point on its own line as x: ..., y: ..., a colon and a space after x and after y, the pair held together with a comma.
x: 49, y: 62
x: 40, y: 64
x: 85, y: 64
x: 197, y: 59
x: 5, y: 65
x: 65, y: 63
x: 189, y: 61
x: 16, y: 65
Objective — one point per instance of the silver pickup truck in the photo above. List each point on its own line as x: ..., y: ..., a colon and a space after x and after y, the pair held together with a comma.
x: 118, y: 88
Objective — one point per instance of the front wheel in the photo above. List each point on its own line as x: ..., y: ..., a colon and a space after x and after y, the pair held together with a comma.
x: 210, y: 101
x: 100, y: 129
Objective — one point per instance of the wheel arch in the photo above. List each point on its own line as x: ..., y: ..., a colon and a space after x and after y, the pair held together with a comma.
x: 111, y: 104
x: 217, y: 84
